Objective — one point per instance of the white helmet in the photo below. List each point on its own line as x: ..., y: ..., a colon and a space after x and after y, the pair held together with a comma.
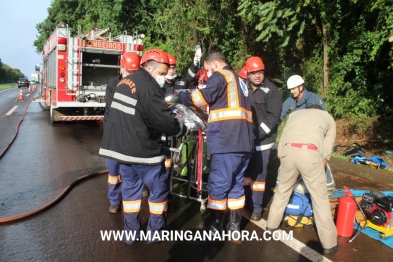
x: 294, y: 81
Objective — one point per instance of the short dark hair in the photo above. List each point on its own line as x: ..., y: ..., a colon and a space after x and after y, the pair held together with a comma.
x: 214, y: 55
x: 315, y: 106
x: 149, y: 63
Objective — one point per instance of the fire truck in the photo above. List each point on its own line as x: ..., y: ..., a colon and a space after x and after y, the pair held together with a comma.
x: 77, y: 69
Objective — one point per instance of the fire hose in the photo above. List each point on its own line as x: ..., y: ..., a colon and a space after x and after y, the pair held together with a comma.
x: 17, y: 128
x: 59, y: 197
x: 361, y: 228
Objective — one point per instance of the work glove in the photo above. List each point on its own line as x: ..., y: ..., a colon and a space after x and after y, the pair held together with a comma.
x: 197, y: 59
x: 198, y: 55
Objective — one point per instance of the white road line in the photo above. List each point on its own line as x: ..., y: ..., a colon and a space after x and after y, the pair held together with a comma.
x: 296, y: 245
x: 11, y: 111
x: 27, y: 94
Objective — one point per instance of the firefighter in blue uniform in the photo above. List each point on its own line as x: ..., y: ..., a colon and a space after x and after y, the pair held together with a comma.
x: 229, y: 138
x: 266, y: 103
x: 138, y: 116
x: 129, y: 64
x: 300, y: 97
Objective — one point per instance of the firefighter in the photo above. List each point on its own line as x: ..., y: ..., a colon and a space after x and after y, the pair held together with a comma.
x: 243, y: 74
x: 300, y: 97
x: 174, y: 82
x: 266, y: 102
x: 305, y: 147
x: 132, y: 136
x: 129, y: 64
x: 229, y: 138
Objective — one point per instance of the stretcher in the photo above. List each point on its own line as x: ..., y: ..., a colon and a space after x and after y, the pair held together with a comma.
x: 188, y: 164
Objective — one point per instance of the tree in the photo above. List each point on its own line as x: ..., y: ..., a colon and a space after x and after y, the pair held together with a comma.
x: 340, y: 47
x: 8, y: 74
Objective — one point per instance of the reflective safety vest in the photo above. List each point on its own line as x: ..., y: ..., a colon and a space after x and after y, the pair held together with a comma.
x: 230, y: 119
x: 233, y: 110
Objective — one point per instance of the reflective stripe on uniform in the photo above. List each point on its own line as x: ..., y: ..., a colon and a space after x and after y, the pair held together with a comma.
x: 114, y: 180
x: 197, y: 98
x: 257, y: 186
x: 232, y: 88
x: 216, y: 204
x: 265, y: 128
x: 264, y: 147
x: 158, y: 208
x: 131, y: 159
x: 125, y: 99
x: 230, y: 114
x: 131, y: 206
x: 123, y: 108
x: 192, y: 74
x: 236, y: 203
x: 247, y: 181
x: 168, y: 163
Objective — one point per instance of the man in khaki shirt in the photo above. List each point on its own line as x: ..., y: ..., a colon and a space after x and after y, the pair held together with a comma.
x: 305, y: 147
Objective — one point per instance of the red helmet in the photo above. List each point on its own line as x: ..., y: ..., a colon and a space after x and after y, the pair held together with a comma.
x: 201, y: 76
x: 254, y: 64
x: 243, y: 73
x: 156, y: 55
x: 130, y: 61
x: 172, y: 59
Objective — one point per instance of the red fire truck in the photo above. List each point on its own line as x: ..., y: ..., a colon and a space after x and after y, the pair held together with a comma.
x: 77, y: 69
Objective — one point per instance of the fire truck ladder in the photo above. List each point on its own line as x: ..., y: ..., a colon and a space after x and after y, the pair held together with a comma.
x: 93, y: 34
x: 96, y: 33
x: 75, y: 59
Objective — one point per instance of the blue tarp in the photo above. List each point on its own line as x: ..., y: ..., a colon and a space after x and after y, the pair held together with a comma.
x: 376, y: 235
x: 341, y: 193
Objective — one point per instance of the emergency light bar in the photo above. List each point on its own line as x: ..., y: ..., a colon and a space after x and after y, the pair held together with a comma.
x: 62, y: 44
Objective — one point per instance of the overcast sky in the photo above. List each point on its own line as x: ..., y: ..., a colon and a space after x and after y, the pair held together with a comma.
x: 18, y: 19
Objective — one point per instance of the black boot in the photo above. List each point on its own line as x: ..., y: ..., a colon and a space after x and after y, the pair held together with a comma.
x: 234, y: 220
x: 217, y: 219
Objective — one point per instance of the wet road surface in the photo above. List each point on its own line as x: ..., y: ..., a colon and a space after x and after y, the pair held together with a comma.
x: 46, y: 158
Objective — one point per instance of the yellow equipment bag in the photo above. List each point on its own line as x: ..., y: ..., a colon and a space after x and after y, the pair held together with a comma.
x: 298, y: 221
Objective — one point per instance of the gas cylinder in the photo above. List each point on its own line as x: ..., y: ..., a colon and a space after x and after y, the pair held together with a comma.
x: 346, y: 215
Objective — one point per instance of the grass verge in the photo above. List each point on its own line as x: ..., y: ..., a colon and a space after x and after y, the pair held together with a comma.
x: 7, y: 86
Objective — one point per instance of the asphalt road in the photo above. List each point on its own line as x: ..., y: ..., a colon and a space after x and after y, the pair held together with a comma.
x: 46, y: 158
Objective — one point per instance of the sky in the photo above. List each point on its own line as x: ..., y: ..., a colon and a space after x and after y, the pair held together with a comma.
x: 18, y: 19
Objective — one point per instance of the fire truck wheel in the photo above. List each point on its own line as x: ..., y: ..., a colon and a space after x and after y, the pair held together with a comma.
x: 44, y: 106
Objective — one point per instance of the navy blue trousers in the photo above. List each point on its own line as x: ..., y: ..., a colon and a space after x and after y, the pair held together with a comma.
x: 156, y: 179
x: 114, y: 181
x: 226, y: 180
x: 256, y: 173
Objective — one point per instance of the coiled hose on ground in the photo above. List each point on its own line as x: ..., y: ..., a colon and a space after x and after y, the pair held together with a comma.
x: 59, y: 197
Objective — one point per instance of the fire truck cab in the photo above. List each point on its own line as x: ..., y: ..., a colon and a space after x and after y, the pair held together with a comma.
x: 76, y: 71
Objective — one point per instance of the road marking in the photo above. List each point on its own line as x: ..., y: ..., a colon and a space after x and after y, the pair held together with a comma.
x: 11, y: 111
x: 296, y: 245
x: 27, y: 94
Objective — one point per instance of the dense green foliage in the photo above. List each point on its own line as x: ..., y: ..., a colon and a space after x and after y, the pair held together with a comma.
x: 8, y: 74
x: 290, y: 36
